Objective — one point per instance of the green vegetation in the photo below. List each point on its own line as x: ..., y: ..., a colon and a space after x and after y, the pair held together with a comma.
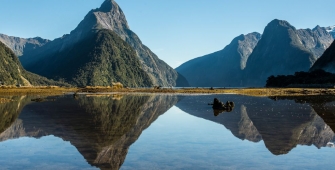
x: 316, y: 77
x: 11, y: 111
x: 98, y: 60
x: 12, y: 72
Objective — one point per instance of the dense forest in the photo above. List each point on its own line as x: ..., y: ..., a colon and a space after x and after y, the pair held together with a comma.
x: 308, y: 79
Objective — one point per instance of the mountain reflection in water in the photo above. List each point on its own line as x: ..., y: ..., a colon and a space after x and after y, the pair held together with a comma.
x: 101, y: 127
x: 282, y: 124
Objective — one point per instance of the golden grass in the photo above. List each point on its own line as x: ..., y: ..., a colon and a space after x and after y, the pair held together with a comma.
x: 39, y: 90
x: 53, y: 90
x: 245, y: 91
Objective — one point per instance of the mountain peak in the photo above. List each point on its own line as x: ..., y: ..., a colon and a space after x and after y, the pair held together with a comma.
x: 283, y: 23
x: 108, y: 6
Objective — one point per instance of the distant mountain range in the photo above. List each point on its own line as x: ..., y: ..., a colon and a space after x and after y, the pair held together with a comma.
x: 250, y: 59
x: 108, y: 17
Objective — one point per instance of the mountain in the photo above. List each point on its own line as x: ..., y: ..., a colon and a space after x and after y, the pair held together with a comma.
x: 331, y: 30
x: 22, y: 45
x: 284, y: 50
x: 109, y: 16
x: 222, y: 68
x: 12, y: 72
x: 327, y: 60
x: 97, y: 60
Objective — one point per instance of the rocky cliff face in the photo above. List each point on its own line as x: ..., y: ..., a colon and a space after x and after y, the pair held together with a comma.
x: 222, y: 68
x: 326, y: 61
x: 22, y: 45
x: 284, y: 50
x: 108, y: 16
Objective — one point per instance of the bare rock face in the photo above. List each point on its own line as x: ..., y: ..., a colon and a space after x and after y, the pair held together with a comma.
x: 22, y: 45
x: 108, y: 16
x: 222, y: 68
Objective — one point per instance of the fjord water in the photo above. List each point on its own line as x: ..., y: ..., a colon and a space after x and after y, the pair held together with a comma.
x: 167, y: 132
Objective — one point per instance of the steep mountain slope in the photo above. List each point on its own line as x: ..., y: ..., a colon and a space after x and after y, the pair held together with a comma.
x: 327, y: 60
x: 12, y: 73
x: 222, y: 68
x: 96, y: 60
x: 108, y: 16
x: 22, y: 45
x: 284, y: 50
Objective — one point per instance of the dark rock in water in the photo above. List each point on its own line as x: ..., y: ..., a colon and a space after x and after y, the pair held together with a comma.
x: 219, y: 107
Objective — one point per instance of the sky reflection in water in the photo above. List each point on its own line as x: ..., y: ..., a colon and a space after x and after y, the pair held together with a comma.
x: 167, y: 132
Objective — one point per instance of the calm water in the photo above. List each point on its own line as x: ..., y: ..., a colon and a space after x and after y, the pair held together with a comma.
x: 167, y: 132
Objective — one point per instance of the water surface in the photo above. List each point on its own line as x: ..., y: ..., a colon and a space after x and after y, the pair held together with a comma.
x: 166, y: 132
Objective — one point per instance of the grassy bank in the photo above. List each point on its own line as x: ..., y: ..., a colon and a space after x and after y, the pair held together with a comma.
x: 40, y: 90
x: 245, y: 91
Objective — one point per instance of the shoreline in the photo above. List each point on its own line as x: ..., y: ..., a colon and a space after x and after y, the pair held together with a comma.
x: 45, y: 91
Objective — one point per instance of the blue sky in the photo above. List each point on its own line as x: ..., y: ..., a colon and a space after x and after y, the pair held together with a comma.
x: 176, y: 30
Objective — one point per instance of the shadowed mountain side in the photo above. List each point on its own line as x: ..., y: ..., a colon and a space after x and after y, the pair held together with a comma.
x: 102, y: 127
x: 222, y: 68
x: 326, y: 61
x: 236, y: 121
x: 109, y: 16
x: 12, y: 72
